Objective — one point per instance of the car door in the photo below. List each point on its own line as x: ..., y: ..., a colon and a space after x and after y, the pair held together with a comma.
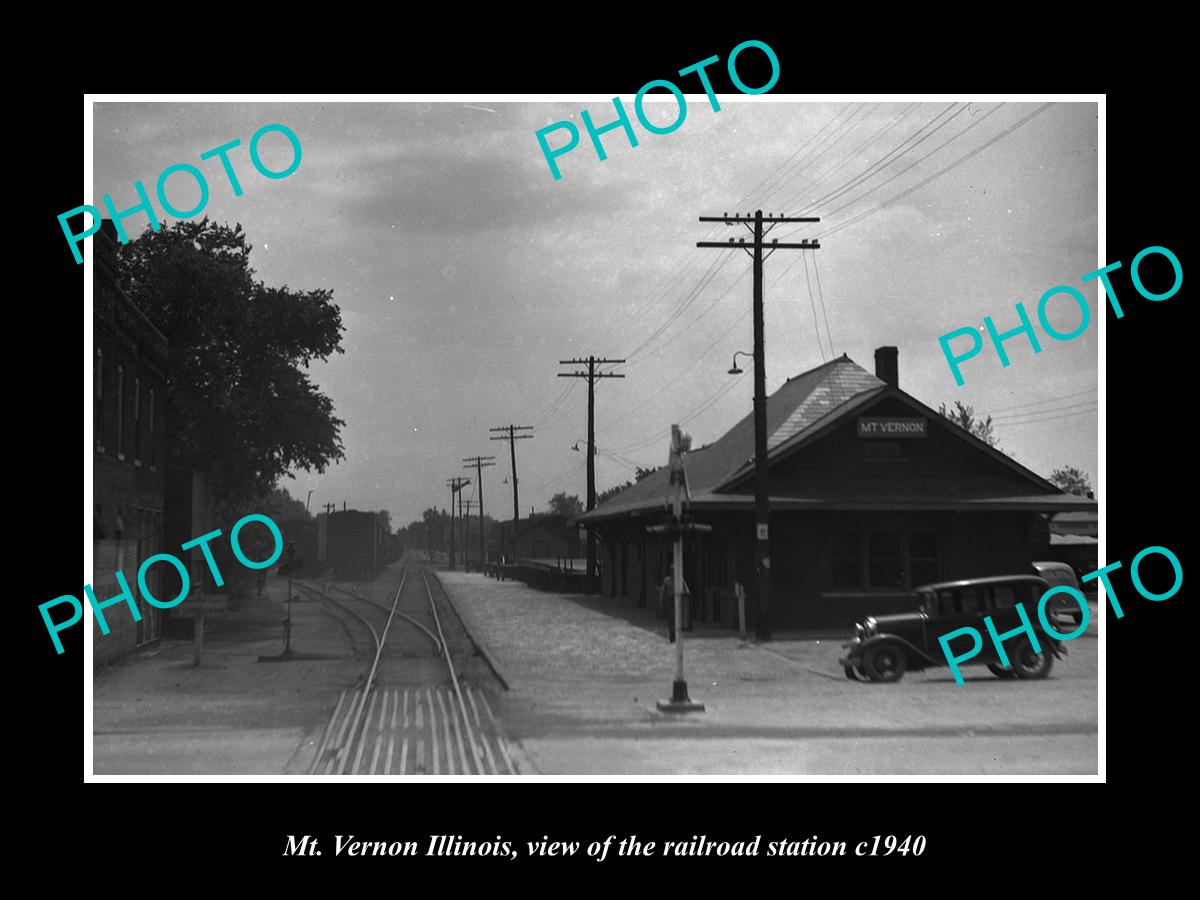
x: 960, y: 608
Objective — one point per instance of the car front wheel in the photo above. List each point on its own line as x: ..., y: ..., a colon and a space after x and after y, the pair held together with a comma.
x: 1029, y: 664
x: 884, y: 662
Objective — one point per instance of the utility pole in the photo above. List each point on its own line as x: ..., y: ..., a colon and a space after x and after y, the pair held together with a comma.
x: 456, y: 485
x: 465, y: 524
x: 591, y: 375
x: 480, y: 462
x: 762, y: 540
x: 512, y: 437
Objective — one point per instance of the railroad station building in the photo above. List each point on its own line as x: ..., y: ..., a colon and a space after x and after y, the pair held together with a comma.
x: 872, y: 493
x: 129, y: 446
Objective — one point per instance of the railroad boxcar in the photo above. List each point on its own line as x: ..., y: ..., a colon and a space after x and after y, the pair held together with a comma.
x: 305, y: 534
x: 352, y: 541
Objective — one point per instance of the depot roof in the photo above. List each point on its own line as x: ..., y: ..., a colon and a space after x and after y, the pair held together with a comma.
x: 803, y: 409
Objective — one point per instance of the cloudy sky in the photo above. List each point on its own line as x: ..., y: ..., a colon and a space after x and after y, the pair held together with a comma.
x: 465, y: 272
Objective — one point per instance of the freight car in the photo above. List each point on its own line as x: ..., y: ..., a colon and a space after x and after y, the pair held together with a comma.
x: 352, y: 543
x: 308, y: 536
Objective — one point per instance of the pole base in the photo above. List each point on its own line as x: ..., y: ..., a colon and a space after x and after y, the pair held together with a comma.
x: 679, y: 702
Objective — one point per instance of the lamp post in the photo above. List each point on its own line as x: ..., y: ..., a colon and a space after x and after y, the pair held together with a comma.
x: 734, y: 370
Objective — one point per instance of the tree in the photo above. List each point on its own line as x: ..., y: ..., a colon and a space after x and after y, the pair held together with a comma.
x: 964, y: 417
x: 563, y: 504
x: 385, y: 521
x: 640, y: 473
x: 239, y: 401
x: 282, y: 506
x: 1072, y: 481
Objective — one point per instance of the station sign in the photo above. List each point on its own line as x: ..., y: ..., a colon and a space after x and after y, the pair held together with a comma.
x: 892, y: 427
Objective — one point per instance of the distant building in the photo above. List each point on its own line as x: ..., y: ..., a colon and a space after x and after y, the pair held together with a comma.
x: 129, y: 445
x: 546, y: 538
x: 872, y: 493
x: 1075, y: 540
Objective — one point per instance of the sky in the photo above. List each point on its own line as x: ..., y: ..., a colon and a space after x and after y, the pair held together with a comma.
x: 465, y: 272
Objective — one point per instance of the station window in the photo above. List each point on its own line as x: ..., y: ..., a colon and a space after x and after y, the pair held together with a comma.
x: 847, y: 559
x: 896, y: 559
x: 886, y: 565
x: 923, y: 557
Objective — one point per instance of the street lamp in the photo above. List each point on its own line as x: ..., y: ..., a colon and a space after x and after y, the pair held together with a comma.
x: 734, y: 370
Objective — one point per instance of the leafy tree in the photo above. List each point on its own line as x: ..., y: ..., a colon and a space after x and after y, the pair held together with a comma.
x: 282, y: 506
x: 964, y: 417
x: 563, y: 504
x: 385, y: 520
x: 239, y: 401
x: 1072, y: 481
x: 641, y: 473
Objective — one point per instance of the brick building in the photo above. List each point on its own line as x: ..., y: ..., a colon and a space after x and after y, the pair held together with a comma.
x: 871, y: 494
x: 129, y: 447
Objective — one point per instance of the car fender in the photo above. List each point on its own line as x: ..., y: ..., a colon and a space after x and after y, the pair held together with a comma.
x: 911, y: 648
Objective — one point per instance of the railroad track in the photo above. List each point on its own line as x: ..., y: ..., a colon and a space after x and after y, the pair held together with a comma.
x: 411, y: 713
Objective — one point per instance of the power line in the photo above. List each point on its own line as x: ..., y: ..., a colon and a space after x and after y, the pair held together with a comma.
x: 1047, y: 400
x: 813, y: 304
x: 909, y: 143
x: 845, y: 129
x: 954, y: 165
x: 775, y: 174
x: 1065, y: 415
x: 954, y: 137
x: 1013, y: 417
x: 855, y: 153
x: 824, y: 313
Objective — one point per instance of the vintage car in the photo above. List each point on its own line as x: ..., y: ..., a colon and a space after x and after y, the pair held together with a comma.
x: 1061, y: 609
x: 885, y: 647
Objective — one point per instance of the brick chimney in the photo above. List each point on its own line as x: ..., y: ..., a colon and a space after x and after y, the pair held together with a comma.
x: 886, y: 366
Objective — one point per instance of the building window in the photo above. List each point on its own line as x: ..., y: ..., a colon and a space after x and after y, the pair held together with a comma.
x: 847, y: 559
x: 923, y: 565
x: 885, y: 567
x: 153, y: 437
x: 137, y: 421
x: 98, y: 424
x: 896, y: 560
x: 120, y: 412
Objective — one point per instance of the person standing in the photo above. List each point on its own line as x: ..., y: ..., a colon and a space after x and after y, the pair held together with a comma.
x: 666, y: 600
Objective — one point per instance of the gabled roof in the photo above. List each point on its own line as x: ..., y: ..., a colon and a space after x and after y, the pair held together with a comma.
x: 802, y: 410
x: 799, y: 406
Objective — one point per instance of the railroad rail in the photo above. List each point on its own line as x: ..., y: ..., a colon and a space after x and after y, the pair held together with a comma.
x: 417, y: 728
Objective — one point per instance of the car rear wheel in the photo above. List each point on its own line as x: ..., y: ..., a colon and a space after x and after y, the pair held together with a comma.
x: 1028, y: 664
x: 1001, y: 671
x: 884, y: 662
